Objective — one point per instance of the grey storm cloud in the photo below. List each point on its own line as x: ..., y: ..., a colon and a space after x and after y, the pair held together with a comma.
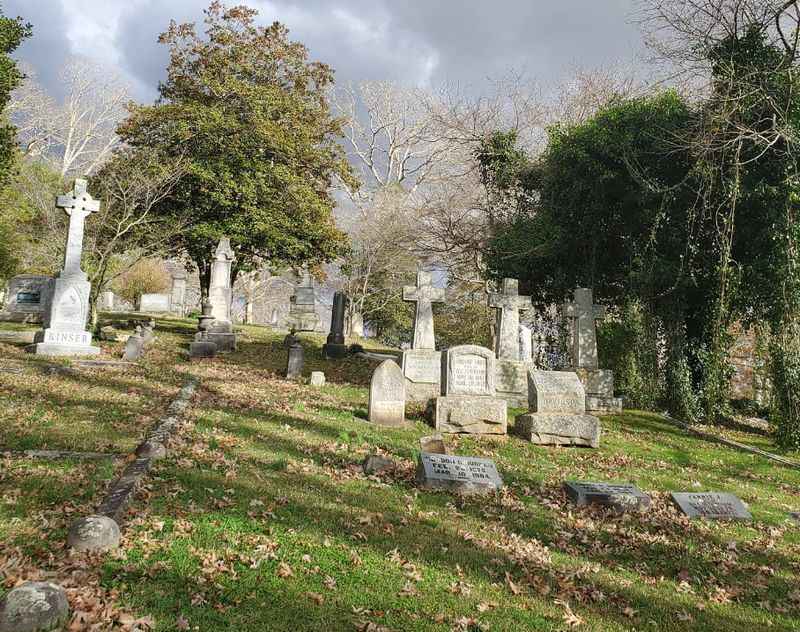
x: 418, y: 41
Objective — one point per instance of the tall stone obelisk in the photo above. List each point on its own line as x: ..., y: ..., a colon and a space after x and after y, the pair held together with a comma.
x: 64, y: 332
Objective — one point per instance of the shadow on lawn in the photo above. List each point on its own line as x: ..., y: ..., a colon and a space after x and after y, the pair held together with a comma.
x: 306, y: 503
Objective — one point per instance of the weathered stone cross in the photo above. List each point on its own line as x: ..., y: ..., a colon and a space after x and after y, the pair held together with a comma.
x: 508, y: 305
x: 78, y: 205
x: 584, y: 334
x: 424, y: 295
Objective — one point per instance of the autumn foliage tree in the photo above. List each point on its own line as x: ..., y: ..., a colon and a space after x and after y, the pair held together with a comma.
x: 247, y: 110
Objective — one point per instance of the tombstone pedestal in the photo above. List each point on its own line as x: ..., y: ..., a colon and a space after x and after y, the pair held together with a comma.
x: 225, y: 341
x: 470, y: 415
x: 65, y: 333
x: 423, y: 370
x: 335, y: 348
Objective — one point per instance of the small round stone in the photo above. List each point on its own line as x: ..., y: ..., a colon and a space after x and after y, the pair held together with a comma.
x: 34, y: 607
x: 94, y: 533
x: 151, y: 450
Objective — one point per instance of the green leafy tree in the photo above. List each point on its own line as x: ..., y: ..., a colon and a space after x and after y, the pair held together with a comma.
x: 12, y: 33
x: 247, y: 110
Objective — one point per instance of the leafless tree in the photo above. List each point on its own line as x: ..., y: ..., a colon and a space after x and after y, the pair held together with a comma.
x: 77, y: 135
x: 126, y: 229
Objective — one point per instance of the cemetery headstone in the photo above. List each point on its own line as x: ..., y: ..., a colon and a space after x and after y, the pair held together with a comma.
x: 335, y: 348
x: 711, y: 505
x: 148, y: 333
x: 622, y: 497
x: 177, y: 298
x: 317, y: 378
x: 422, y: 364
x: 511, y: 381
x: 134, y: 346
x: 303, y: 306
x: 295, y: 360
x: 155, y: 303
x: 64, y: 332
x: 220, y: 332
x: 460, y: 474
x: 387, y: 395
x: 106, y: 302
x: 468, y: 404
x: 356, y: 325
x: 525, y: 344
x: 557, y: 411
x: 598, y: 383
x: 203, y: 346
x: 27, y: 299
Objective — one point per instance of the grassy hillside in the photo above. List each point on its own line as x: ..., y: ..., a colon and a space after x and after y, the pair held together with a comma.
x: 261, y: 519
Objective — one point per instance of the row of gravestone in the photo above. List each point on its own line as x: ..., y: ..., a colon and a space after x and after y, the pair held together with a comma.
x: 473, y: 475
x: 468, y: 403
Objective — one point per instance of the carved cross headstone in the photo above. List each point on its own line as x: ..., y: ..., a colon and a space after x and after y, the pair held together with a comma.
x: 583, y: 315
x: 508, y: 305
x: 424, y: 295
x: 78, y: 205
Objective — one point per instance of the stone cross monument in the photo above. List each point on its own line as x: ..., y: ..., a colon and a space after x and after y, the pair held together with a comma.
x: 508, y: 305
x: 219, y: 295
x: 598, y: 383
x: 64, y: 330
x: 582, y: 315
x: 424, y: 295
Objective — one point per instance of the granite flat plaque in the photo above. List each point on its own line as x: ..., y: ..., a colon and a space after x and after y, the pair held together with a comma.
x: 711, y: 505
x: 620, y: 496
x: 462, y: 474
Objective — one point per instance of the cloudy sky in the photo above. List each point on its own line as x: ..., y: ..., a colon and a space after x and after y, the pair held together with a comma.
x: 414, y: 41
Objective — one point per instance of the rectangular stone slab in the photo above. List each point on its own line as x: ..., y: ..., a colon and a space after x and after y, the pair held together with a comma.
x: 462, y: 474
x: 620, y: 496
x: 555, y: 392
x: 470, y: 415
x: 711, y: 505
x: 559, y: 429
x: 511, y: 382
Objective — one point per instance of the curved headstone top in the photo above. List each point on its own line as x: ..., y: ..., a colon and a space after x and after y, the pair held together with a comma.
x: 468, y: 370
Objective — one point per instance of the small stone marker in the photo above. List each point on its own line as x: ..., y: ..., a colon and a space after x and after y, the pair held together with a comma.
x: 34, y: 607
x: 134, y: 347
x: 317, y: 378
x: 711, y: 505
x: 460, y: 474
x: 375, y: 463
x: 295, y: 361
x: 620, y: 496
x: 148, y: 337
x: 557, y: 414
x: 433, y: 444
x: 387, y: 395
x: 795, y: 516
x: 93, y: 533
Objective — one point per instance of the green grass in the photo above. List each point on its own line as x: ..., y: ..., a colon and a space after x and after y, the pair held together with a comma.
x: 260, y: 519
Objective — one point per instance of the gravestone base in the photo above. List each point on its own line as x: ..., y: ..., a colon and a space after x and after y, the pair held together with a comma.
x: 333, y: 351
x: 597, y: 404
x: 599, y: 386
x: 202, y: 349
x: 469, y: 414
x: 511, y: 382
x: 303, y: 322
x: 423, y: 371
x: 53, y: 342
x: 559, y: 429
x: 225, y: 341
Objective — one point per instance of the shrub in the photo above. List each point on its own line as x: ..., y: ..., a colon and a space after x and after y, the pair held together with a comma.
x: 144, y: 277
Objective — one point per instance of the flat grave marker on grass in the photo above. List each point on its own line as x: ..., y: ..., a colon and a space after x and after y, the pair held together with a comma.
x: 462, y: 474
x: 620, y: 496
x: 711, y: 505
